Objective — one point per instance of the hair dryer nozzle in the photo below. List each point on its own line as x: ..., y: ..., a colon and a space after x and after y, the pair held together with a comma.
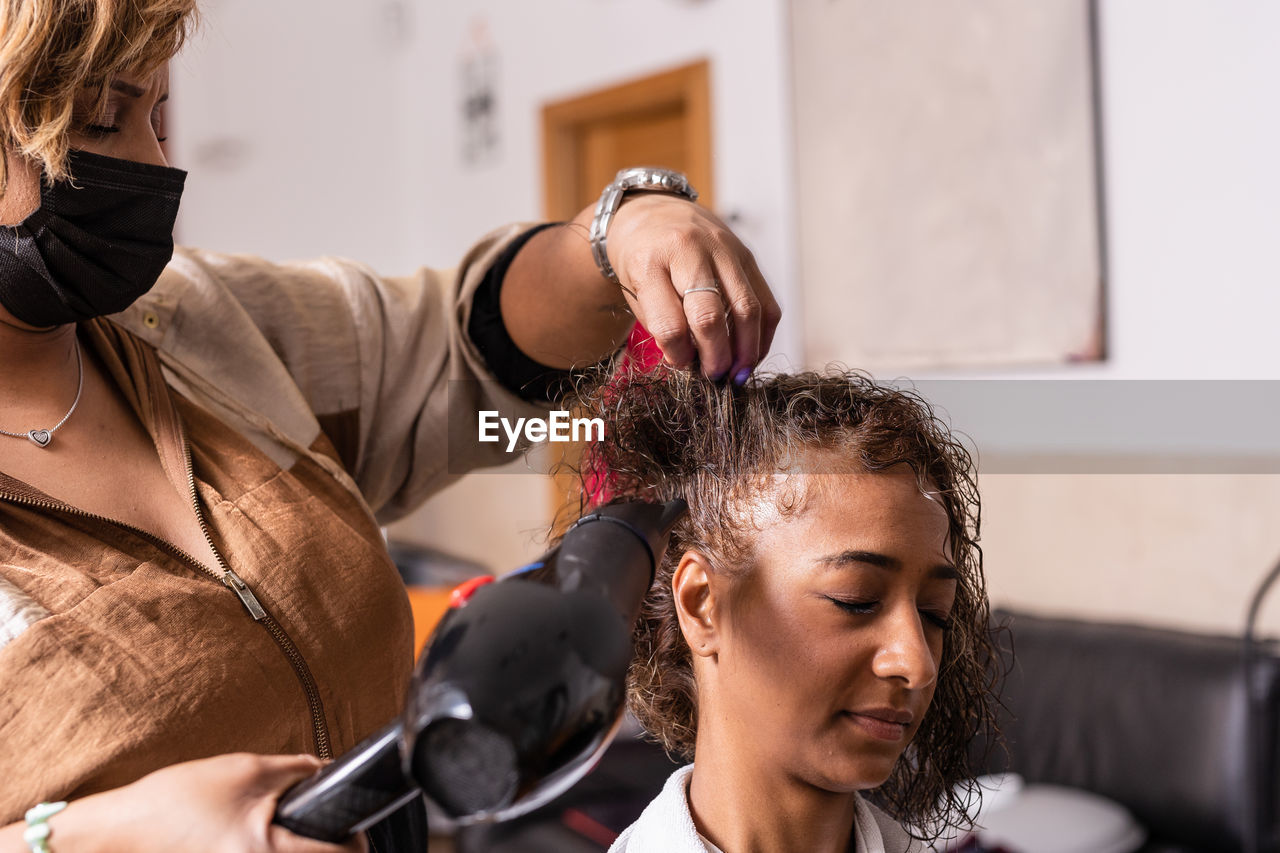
x: 465, y: 766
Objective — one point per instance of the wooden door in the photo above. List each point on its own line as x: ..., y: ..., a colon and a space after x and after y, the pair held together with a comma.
x: 660, y: 120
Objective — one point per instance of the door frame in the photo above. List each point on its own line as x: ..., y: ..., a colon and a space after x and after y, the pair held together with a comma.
x: 687, y: 87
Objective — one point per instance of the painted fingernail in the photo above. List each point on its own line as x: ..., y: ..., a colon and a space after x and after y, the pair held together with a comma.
x: 741, y: 377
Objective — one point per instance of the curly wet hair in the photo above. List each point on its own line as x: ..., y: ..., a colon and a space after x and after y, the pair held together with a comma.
x: 52, y: 51
x: 674, y: 434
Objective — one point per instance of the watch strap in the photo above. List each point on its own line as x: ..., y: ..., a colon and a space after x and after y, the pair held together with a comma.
x: 630, y: 180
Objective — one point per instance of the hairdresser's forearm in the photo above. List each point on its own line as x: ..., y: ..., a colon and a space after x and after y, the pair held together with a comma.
x: 221, y: 803
x: 557, y: 307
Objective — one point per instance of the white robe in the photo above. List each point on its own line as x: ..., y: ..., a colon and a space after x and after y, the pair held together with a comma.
x: 666, y: 826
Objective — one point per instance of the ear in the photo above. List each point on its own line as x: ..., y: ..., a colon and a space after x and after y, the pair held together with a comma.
x: 694, y: 597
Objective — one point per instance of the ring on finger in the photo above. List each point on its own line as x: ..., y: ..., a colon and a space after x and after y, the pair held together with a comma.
x: 712, y: 286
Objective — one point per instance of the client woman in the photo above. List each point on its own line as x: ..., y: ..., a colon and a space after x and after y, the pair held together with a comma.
x: 818, y: 628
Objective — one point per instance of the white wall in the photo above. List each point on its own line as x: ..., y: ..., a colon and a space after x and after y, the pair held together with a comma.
x: 284, y: 115
x: 1193, y: 187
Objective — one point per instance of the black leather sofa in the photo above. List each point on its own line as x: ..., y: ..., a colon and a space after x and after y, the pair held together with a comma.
x: 1152, y: 719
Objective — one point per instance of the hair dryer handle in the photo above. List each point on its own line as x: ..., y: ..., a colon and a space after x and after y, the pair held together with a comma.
x: 352, y: 794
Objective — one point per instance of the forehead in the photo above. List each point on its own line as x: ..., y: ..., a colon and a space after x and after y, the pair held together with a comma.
x: 155, y: 79
x: 831, y: 502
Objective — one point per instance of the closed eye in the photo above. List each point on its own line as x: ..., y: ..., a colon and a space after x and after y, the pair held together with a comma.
x: 100, y: 130
x: 863, y: 608
x: 940, y: 620
x: 866, y: 608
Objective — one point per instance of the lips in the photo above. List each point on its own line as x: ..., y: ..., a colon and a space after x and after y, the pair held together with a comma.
x: 884, y: 723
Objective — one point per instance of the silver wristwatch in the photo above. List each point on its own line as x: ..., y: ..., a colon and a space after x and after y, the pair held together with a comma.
x: 629, y: 180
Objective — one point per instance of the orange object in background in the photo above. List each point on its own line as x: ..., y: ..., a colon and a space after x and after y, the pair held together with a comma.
x: 429, y: 604
x: 430, y: 576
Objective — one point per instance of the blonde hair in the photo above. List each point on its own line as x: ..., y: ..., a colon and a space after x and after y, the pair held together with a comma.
x: 53, y: 50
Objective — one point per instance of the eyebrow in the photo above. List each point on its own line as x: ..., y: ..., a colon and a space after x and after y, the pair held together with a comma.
x: 134, y: 91
x: 943, y: 571
x: 127, y: 89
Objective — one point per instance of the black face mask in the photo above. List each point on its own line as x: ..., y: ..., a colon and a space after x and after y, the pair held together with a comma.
x: 96, y: 243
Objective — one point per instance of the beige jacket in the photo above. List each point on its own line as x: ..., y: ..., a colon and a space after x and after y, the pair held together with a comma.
x: 304, y: 403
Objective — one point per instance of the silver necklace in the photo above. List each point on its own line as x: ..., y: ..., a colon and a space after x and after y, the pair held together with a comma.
x: 42, y: 437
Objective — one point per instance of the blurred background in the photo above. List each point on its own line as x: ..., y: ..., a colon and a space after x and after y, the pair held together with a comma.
x: 993, y: 190
x: 992, y: 194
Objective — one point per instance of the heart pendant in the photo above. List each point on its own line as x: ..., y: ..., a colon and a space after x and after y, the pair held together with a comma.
x: 40, y: 437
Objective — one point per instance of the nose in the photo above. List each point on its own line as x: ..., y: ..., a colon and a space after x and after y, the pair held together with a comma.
x: 142, y: 147
x: 905, y: 652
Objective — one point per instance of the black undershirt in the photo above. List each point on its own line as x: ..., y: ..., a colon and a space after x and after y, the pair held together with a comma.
x: 513, y: 369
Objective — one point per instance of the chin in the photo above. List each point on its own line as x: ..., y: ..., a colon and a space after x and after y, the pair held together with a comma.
x: 851, y: 773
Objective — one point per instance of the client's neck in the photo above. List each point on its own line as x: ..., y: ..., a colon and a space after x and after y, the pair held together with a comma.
x: 742, y: 806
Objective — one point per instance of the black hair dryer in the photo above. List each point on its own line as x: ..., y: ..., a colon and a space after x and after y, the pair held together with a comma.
x: 520, y: 689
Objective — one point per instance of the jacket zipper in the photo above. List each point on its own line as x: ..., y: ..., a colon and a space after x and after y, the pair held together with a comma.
x: 250, y: 601
x: 320, y: 729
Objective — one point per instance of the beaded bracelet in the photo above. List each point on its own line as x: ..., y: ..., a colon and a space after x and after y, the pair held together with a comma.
x: 38, y: 830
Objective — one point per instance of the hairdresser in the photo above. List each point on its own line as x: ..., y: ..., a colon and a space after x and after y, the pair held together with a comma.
x: 198, y: 449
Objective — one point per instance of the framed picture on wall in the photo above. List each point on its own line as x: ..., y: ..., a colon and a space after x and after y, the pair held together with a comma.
x: 949, y: 182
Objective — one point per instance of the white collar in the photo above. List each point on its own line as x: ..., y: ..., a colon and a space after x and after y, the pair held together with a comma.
x: 666, y: 825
